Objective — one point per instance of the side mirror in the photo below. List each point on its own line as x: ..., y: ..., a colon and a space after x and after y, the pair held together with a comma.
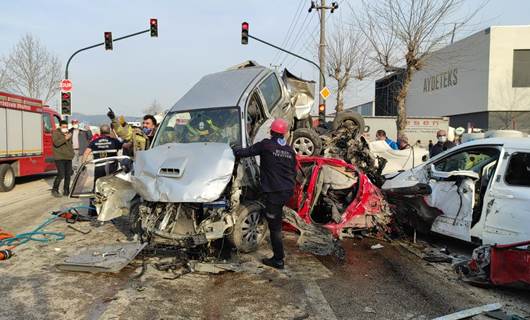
x: 366, y: 129
x: 425, y: 158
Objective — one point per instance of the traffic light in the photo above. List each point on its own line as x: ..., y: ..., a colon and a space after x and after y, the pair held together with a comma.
x: 244, y: 33
x: 153, y: 24
x: 66, y: 103
x: 108, y: 40
x: 322, y: 111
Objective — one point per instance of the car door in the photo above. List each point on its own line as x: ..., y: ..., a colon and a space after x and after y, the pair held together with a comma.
x: 506, y: 212
x: 454, y: 180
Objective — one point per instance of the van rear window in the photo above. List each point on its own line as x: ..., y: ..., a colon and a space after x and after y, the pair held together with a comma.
x: 518, y: 172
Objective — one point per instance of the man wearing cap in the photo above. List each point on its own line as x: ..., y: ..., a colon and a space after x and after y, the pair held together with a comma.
x: 80, y: 140
x: 277, y: 173
x: 442, y: 144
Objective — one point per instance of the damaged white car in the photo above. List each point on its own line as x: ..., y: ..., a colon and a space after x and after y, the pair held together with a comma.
x: 477, y: 192
x: 187, y: 189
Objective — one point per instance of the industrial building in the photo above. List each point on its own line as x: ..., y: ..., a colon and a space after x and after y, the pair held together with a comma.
x: 481, y: 81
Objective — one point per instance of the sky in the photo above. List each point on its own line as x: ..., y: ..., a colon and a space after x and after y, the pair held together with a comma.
x: 195, y: 38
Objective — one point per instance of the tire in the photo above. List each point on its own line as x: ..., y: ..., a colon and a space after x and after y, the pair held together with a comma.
x: 344, y: 116
x: 135, y: 225
x: 250, y: 227
x: 307, y: 142
x: 7, y: 178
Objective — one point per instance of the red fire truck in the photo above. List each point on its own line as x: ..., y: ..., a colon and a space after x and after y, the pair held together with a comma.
x: 26, y: 127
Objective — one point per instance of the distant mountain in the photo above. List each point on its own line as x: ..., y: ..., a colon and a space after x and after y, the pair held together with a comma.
x: 97, y: 119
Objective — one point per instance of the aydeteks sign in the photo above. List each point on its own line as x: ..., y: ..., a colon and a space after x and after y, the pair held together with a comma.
x: 441, y: 80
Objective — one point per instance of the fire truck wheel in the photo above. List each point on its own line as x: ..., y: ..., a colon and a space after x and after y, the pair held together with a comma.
x: 7, y: 178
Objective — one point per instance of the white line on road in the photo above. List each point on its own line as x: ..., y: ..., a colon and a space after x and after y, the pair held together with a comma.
x: 317, y: 301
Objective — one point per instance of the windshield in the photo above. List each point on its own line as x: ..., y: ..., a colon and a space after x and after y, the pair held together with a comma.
x: 203, y: 125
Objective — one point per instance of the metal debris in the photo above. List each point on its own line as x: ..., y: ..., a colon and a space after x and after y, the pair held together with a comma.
x: 103, y: 258
x: 470, y: 312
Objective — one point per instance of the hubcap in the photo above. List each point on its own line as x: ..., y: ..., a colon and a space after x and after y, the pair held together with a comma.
x: 252, y: 228
x: 303, y: 146
x: 9, y: 178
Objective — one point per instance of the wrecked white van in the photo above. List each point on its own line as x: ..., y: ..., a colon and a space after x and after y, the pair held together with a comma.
x: 477, y: 192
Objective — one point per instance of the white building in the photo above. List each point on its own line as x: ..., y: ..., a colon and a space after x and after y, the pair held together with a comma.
x: 482, y: 80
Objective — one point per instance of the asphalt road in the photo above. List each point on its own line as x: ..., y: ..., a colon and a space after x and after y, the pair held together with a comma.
x: 387, y: 283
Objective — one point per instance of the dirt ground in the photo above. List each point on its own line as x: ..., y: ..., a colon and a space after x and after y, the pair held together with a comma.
x: 387, y: 283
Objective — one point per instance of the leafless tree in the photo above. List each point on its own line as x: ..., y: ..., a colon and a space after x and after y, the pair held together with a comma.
x: 347, y: 59
x: 154, y: 108
x: 404, y: 33
x: 31, y: 70
x: 3, y: 77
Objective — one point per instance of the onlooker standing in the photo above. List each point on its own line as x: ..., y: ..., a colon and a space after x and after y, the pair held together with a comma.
x: 381, y: 135
x: 403, y: 142
x: 442, y: 144
x: 63, y: 153
x: 80, y: 140
x: 149, y: 127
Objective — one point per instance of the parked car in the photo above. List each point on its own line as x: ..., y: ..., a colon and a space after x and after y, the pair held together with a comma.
x: 478, y: 191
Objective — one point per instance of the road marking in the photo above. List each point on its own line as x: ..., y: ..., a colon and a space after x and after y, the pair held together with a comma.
x: 317, y: 301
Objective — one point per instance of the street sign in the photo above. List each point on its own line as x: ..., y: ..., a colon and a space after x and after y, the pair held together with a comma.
x: 66, y: 85
x: 325, y: 93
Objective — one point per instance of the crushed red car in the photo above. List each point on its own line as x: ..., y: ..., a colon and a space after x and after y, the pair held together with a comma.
x: 333, y: 200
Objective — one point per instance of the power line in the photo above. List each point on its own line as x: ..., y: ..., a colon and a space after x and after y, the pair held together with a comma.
x: 297, y: 37
x: 293, y: 24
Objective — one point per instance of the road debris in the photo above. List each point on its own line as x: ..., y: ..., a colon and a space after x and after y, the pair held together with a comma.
x: 102, y: 258
x: 497, y: 265
x: 470, y: 312
x: 376, y: 246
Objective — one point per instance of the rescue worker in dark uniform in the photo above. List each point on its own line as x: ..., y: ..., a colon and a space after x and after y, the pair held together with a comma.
x: 103, y: 147
x: 277, y: 173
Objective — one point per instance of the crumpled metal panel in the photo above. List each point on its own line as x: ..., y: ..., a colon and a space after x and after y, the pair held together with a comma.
x: 183, y: 172
x: 113, y: 197
x: 103, y: 258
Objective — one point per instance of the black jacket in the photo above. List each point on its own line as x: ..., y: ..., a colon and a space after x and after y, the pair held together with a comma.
x: 277, y: 164
x: 440, y: 147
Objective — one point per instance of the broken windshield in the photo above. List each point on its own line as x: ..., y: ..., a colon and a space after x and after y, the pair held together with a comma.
x: 202, y: 125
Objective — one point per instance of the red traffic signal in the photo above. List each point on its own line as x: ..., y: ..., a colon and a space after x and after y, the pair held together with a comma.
x: 153, y: 27
x: 66, y: 103
x: 108, y: 40
x: 244, y: 33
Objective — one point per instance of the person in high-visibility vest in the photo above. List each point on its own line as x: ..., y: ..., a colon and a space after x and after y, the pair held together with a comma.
x: 202, y: 129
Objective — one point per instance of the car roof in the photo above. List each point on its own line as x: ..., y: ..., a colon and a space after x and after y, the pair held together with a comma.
x: 221, y: 89
x: 517, y: 143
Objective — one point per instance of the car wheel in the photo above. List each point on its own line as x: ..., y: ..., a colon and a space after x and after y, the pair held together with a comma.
x: 306, y: 142
x: 7, y: 178
x: 349, y: 118
x: 250, y: 227
x: 135, y: 224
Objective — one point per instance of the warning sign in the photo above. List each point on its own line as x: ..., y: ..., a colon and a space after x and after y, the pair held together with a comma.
x: 325, y: 93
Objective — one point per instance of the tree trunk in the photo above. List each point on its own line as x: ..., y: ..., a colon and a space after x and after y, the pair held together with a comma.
x: 401, y: 99
x: 340, y: 101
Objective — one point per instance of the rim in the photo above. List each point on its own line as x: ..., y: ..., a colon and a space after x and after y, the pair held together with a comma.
x: 304, y: 146
x: 253, y: 228
x: 9, y: 178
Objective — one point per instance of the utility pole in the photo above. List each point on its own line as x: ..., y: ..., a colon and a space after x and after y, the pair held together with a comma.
x: 322, y: 48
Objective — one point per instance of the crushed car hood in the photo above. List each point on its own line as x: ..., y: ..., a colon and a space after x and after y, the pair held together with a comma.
x: 183, y: 172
